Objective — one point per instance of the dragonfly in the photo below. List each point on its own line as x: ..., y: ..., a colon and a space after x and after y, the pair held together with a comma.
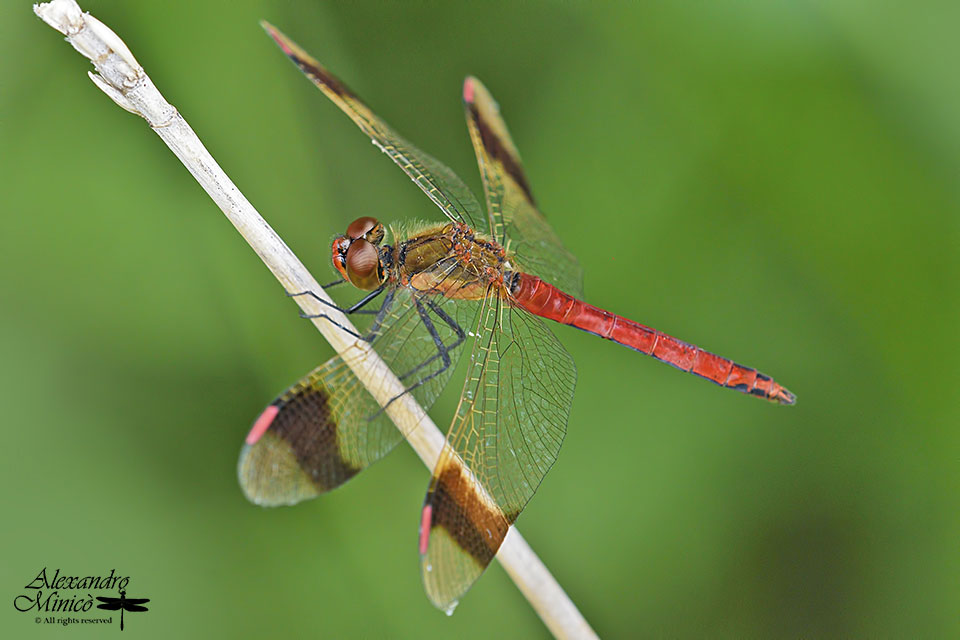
x: 481, y: 280
x: 123, y: 603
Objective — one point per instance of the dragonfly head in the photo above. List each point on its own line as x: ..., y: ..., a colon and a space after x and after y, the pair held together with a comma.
x: 356, y: 254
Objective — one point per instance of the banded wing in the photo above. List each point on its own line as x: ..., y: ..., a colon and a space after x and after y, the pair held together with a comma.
x: 507, y: 431
x: 327, y: 427
x: 515, y: 221
x: 439, y: 183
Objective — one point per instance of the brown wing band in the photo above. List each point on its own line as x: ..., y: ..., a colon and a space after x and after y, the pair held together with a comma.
x: 308, y: 65
x: 306, y: 424
x: 497, y: 151
x: 477, y: 526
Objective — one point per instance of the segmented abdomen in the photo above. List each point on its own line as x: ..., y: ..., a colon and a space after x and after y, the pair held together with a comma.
x: 545, y: 300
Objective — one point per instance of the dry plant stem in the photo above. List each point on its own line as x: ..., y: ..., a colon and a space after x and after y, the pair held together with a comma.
x: 123, y: 80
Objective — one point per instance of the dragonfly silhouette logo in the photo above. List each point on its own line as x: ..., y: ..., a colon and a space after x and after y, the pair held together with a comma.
x: 123, y: 603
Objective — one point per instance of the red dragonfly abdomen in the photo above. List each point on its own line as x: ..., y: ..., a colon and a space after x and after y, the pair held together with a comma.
x: 545, y: 300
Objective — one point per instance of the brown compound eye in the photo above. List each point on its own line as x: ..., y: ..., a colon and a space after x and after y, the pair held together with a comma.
x: 361, y: 226
x: 363, y: 265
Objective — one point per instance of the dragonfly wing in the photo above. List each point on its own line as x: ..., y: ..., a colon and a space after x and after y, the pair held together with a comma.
x: 111, y: 604
x: 439, y: 183
x: 515, y: 221
x: 327, y: 427
x: 135, y: 607
x: 507, y: 430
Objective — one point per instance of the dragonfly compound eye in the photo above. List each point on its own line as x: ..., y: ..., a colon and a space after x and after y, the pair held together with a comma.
x: 363, y: 265
x: 362, y: 226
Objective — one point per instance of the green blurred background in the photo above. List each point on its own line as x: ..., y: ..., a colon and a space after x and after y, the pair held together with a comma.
x: 776, y: 182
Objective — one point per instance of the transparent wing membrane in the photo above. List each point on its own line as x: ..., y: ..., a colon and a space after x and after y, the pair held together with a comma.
x: 440, y: 184
x: 515, y: 221
x: 327, y: 427
x: 507, y: 430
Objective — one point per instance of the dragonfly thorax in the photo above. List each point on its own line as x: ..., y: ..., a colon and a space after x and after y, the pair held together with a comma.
x: 358, y: 256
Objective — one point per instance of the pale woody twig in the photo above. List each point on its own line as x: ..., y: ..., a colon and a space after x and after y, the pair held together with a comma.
x: 122, y: 78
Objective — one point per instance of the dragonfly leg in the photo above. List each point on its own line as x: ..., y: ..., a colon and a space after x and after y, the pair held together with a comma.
x: 354, y: 308
x: 374, y: 330
x: 443, y: 351
x: 350, y: 332
x: 336, y: 282
x: 450, y: 322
